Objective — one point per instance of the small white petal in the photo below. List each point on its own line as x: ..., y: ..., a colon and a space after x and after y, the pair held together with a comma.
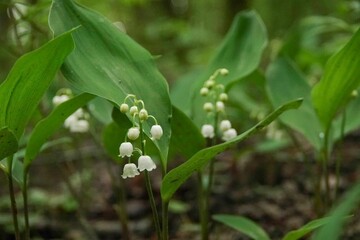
x: 229, y: 134
x: 225, y: 125
x: 126, y: 149
x: 79, y: 113
x: 130, y: 171
x: 156, y: 132
x: 146, y: 163
x: 133, y: 133
x: 207, y: 131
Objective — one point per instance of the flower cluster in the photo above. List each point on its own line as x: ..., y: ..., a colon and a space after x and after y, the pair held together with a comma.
x: 76, y: 122
x: 139, y: 115
x: 215, y: 107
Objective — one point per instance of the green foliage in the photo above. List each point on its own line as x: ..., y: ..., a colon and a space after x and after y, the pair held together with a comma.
x: 285, y: 82
x: 240, y: 52
x: 177, y: 176
x: 49, y: 125
x: 27, y: 82
x: 306, y: 229
x: 186, y: 139
x: 341, y: 77
x: 116, y: 67
x: 333, y: 229
x: 8, y: 143
x: 244, y: 225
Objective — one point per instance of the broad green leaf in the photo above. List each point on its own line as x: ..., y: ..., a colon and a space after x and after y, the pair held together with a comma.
x: 341, y: 77
x: 285, y: 82
x: 101, y: 109
x: 112, y: 136
x: 339, y: 215
x: 108, y: 63
x: 28, y: 80
x: 306, y: 229
x: 176, y: 177
x: 49, y: 125
x: 243, y: 225
x: 186, y: 138
x: 8, y: 143
x: 240, y: 52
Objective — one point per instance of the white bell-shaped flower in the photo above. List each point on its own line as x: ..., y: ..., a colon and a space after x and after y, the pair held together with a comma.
x: 57, y: 100
x: 79, y: 113
x: 146, y: 163
x: 71, y: 120
x: 225, y: 125
x: 156, y: 132
x: 207, y: 131
x: 133, y: 133
x: 229, y: 134
x: 130, y: 171
x: 79, y: 126
x: 126, y: 149
x: 220, y: 106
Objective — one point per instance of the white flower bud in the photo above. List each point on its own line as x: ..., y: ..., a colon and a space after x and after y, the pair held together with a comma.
x: 57, y: 100
x: 225, y: 125
x: 208, y: 107
x: 156, y: 132
x: 229, y: 134
x: 204, y: 91
x: 133, y: 133
x: 220, y: 106
x: 126, y: 149
x: 223, y: 97
x: 209, y: 83
x: 143, y: 114
x: 224, y: 71
x: 130, y: 171
x: 124, y: 108
x: 79, y: 113
x: 207, y: 131
x: 79, y: 126
x: 134, y: 110
x: 71, y: 120
x: 146, y: 163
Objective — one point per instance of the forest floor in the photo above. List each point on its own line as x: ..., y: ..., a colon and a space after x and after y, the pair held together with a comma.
x: 275, y: 190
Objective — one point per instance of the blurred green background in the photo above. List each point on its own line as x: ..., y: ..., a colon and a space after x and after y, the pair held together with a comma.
x: 182, y: 33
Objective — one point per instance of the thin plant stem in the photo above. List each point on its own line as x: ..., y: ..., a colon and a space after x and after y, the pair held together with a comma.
x: 12, y: 197
x: 325, y: 159
x: 202, y: 207
x: 339, y: 158
x: 149, y: 188
x: 165, y: 220
x: 26, y: 204
x: 153, y: 205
